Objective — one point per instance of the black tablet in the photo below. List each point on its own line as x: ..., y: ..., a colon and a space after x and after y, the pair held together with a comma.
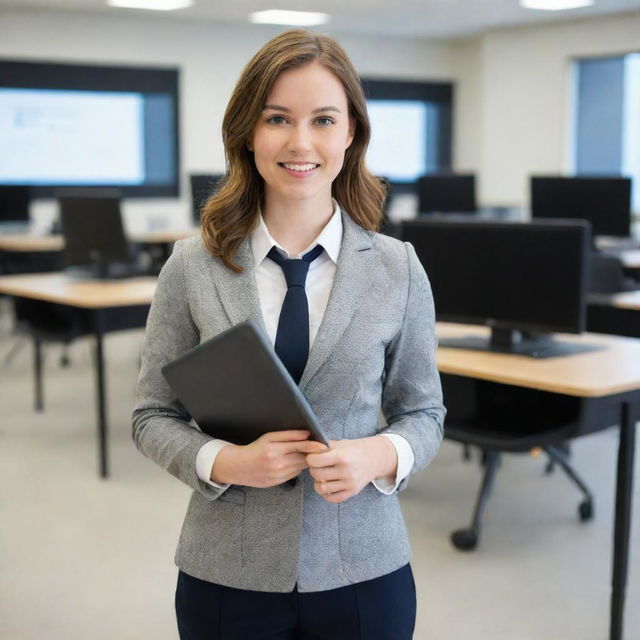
x: 236, y: 388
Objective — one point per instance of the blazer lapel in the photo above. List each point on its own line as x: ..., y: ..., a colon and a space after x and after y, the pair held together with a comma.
x: 352, y: 281
x: 238, y: 291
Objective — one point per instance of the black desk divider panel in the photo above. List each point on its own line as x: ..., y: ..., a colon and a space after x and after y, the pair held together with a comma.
x: 441, y: 193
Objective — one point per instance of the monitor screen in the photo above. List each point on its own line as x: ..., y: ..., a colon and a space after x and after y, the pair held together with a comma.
x: 93, y: 230
x: 202, y: 186
x: 14, y: 203
x: 604, y: 202
x: 447, y: 193
x: 79, y: 126
x: 528, y: 277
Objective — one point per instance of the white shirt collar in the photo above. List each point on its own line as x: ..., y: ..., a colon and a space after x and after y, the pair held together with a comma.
x: 330, y: 238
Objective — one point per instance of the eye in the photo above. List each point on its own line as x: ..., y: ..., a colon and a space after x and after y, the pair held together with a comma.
x: 276, y: 120
x: 325, y: 121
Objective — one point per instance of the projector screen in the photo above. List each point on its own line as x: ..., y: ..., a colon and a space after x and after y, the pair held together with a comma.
x: 76, y: 126
x: 62, y: 137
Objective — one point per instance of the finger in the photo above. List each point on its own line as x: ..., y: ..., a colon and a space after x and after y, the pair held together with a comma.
x: 328, y: 488
x: 302, y: 446
x: 290, y: 435
x: 324, y: 474
x: 295, y: 460
x: 325, y: 459
x: 339, y: 496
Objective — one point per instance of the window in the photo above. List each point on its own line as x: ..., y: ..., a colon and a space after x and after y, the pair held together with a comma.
x: 607, y: 122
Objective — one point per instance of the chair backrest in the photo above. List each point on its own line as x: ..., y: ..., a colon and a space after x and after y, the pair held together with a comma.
x: 14, y: 204
x: 93, y: 230
x: 202, y: 187
x: 606, y: 274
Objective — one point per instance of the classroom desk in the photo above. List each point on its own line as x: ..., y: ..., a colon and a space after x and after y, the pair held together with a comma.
x: 28, y: 253
x: 630, y: 258
x: 31, y: 243
x: 106, y: 303
x: 612, y: 374
x: 617, y: 313
x: 623, y: 300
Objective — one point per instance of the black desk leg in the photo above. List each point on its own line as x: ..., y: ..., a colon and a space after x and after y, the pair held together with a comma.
x: 37, y: 372
x: 622, y: 526
x: 98, y: 319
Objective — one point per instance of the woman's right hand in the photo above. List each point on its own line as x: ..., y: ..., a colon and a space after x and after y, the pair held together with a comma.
x: 272, y: 459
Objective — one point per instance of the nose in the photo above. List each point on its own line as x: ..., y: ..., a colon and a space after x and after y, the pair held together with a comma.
x: 299, y: 139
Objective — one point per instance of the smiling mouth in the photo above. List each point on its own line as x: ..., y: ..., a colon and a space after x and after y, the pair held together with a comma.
x: 303, y: 167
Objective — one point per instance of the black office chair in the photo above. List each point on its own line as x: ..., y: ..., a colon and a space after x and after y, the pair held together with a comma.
x: 606, y: 277
x: 45, y: 322
x: 202, y: 187
x: 500, y: 419
x: 606, y: 274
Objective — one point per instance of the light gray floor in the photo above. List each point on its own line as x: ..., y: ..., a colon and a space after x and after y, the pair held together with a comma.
x: 85, y: 559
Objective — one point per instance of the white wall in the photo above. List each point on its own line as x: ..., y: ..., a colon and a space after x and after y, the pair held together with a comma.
x: 210, y: 58
x: 513, y: 85
x: 514, y: 109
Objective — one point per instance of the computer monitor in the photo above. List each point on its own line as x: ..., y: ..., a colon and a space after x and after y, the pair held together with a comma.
x: 14, y: 204
x: 524, y: 280
x: 604, y: 202
x: 444, y: 193
x: 202, y: 187
x: 93, y: 232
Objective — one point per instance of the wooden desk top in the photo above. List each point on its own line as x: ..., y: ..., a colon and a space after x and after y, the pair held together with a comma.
x: 631, y: 258
x: 613, y: 369
x: 161, y: 237
x: 87, y: 294
x: 26, y: 242
x: 624, y: 300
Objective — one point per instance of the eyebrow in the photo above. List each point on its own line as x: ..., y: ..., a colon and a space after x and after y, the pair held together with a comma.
x: 276, y: 107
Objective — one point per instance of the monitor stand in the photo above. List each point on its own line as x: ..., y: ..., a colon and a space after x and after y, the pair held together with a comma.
x: 532, y: 345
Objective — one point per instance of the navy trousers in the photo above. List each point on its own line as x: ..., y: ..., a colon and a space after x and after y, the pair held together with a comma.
x: 379, y: 609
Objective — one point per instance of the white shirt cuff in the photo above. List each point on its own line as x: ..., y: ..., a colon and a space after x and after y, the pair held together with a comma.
x: 204, y: 461
x: 405, y: 464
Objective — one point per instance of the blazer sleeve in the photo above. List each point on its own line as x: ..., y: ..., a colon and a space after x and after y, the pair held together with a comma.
x: 161, y: 427
x: 412, y: 394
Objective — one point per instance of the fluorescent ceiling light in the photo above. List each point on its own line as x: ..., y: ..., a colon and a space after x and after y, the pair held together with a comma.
x: 295, y: 18
x: 154, y: 5
x: 555, y: 5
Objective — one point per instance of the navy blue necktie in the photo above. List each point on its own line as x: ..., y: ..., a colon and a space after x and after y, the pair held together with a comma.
x: 292, y: 337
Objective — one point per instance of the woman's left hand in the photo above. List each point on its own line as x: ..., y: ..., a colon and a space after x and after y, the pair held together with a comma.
x: 349, y: 465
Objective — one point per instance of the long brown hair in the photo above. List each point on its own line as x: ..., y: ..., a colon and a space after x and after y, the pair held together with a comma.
x: 231, y: 213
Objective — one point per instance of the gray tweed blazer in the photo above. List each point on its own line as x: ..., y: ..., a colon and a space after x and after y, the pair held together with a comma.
x: 375, y: 349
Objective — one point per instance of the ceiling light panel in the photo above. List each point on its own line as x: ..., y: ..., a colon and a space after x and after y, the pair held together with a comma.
x: 293, y: 18
x: 152, y: 5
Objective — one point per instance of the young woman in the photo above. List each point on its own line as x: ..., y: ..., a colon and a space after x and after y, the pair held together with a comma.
x: 285, y: 538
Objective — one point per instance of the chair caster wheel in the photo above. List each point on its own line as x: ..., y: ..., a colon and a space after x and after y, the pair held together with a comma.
x: 585, y: 510
x: 464, y: 539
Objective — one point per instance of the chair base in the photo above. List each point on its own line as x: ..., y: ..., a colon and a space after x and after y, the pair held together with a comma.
x: 466, y: 539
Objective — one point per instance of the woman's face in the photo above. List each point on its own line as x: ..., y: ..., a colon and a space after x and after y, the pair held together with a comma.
x: 301, y: 136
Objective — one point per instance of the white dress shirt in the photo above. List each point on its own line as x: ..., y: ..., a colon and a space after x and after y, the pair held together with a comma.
x: 272, y: 289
